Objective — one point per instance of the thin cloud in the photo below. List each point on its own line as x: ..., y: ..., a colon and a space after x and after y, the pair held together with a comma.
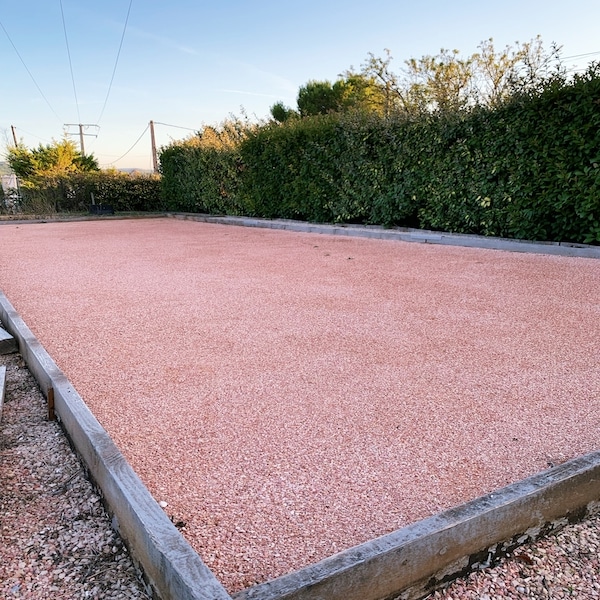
x: 164, y: 41
x: 277, y: 80
x: 272, y: 80
x: 246, y: 93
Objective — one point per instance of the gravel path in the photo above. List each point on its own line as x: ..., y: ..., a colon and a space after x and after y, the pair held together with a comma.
x: 55, y: 537
x: 291, y: 395
x: 57, y: 542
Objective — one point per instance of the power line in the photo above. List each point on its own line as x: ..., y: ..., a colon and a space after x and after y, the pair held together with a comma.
x: 577, y: 68
x: 581, y: 55
x: 29, y: 72
x: 32, y: 134
x: 176, y: 126
x: 116, y: 62
x: 62, y: 12
x: 134, y: 145
x: 81, y: 127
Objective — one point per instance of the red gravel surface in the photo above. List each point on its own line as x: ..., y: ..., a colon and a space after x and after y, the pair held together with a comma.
x: 291, y: 395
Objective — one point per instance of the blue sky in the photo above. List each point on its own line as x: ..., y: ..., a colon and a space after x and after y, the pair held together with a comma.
x: 190, y: 63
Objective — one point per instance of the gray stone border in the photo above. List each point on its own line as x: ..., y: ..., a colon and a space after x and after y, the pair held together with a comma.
x: 403, y: 234
x: 8, y: 343
x: 408, y: 563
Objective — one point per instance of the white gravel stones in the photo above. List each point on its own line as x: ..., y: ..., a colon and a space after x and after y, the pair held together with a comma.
x: 55, y: 537
x: 563, y: 565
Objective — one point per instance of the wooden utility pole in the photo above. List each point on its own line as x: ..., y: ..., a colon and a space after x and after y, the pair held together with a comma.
x: 81, y: 139
x: 81, y: 134
x: 12, y: 127
x: 153, y: 142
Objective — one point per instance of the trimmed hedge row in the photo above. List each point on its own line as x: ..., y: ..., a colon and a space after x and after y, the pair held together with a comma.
x: 73, y: 193
x: 528, y: 169
x: 200, y: 179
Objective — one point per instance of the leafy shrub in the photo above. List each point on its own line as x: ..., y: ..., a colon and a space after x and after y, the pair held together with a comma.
x: 286, y: 175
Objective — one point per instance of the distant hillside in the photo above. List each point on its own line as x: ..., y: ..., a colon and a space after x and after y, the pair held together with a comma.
x: 143, y: 171
x: 5, y: 169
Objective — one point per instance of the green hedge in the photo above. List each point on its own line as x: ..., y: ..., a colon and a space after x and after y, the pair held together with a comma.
x: 213, y: 187
x: 73, y: 192
x: 204, y: 173
x: 527, y: 169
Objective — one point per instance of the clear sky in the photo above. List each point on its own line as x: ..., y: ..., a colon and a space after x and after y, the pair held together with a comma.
x: 191, y: 63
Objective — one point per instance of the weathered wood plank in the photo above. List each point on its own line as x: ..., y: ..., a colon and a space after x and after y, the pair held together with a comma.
x: 170, y: 564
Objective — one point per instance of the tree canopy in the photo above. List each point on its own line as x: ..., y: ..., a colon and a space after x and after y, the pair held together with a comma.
x: 443, y: 82
x: 49, y: 161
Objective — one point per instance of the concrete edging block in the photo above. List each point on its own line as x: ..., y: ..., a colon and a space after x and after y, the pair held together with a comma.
x: 172, y: 567
x: 401, y: 234
x: 8, y: 344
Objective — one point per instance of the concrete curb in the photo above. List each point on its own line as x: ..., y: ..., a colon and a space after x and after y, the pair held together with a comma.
x: 421, y: 236
x: 406, y: 564
x: 171, y: 566
x: 404, y: 234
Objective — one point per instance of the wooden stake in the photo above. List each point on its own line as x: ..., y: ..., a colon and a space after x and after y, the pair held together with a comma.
x: 51, y: 416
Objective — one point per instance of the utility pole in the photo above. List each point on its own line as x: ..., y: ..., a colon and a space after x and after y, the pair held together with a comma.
x: 81, y: 127
x: 12, y: 127
x: 81, y: 139
x: 153, y: 142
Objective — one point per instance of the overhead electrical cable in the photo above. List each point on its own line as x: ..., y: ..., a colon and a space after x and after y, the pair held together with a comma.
x: 116, y: 62
x: 577, y: 68
x: 34, y: 135
x: 176, y: 126
x: 62, y: 12
x: 132, y: 147
x: 580, y: 55
x: 29, y: 73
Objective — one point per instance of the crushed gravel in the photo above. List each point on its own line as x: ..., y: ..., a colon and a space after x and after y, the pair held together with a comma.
x: 291, y: 395
x: 56, y: 539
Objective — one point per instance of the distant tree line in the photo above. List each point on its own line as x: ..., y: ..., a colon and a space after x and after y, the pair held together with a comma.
x: 433, y: 83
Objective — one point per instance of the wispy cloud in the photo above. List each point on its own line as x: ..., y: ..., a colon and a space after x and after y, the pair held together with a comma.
x: 247, y: 93
x: 251, y: 80
x: 163, y: 41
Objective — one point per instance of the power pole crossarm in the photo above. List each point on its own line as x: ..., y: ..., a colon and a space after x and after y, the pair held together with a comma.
x: 81, y: 127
